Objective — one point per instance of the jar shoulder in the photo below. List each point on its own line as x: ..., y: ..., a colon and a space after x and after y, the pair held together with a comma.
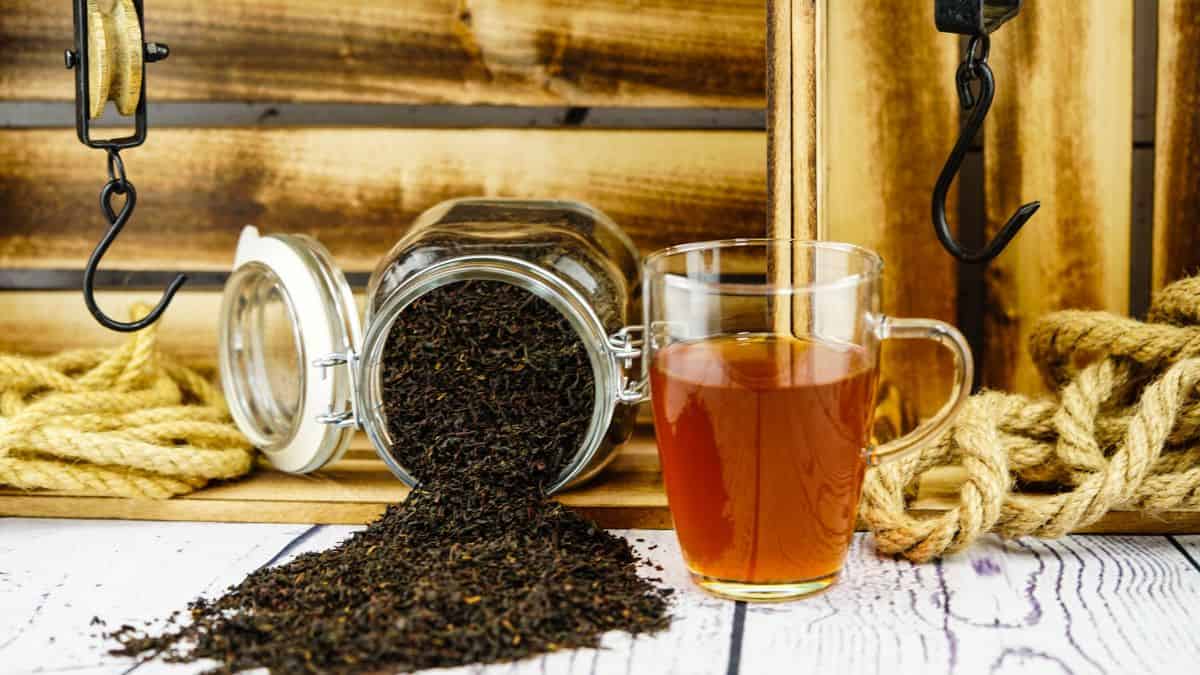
x: 572, y: 240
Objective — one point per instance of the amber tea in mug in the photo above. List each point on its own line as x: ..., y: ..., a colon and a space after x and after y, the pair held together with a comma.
x: 762, y: 359
x: 762, y: 451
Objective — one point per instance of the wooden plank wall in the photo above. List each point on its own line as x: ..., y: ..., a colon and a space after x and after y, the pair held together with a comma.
x: 1060, y: 131
x: 825, y: 62
x: 885, y: 133
x: 1177, y: 160
x: 676, y: 160
x: 513, y: 52
x: 356, y: 188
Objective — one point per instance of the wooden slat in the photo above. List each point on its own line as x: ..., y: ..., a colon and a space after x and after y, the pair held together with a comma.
x: 779, y: 118
x: 356, y: 490
x: 1075, y: 605
x: 45, y: 322
x: 1060, y: 131
x: 294, y: 504
x: 792, y: 118
x: 522, y: 52
x: 888, y: 124
x: 356, y: 189
x: 58, y: 575
x: 64, y: 573
x: 38, y: 323
x: 1190, y: 546
x: 1177, y: 149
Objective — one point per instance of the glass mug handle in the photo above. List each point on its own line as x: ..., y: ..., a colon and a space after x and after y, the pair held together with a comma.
x: 964, y: 374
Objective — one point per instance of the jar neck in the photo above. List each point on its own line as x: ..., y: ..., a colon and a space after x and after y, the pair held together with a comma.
x: 561, y: 295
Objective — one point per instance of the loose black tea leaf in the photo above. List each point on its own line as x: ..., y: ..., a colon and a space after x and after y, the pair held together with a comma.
x: 488, y: 394
x: 490, y: 375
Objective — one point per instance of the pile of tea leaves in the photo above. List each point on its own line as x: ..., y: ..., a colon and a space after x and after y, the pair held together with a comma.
x: 489, y: 392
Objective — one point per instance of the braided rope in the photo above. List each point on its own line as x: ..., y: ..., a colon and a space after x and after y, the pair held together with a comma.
x: 1122, y: 432
x: 124, y: 422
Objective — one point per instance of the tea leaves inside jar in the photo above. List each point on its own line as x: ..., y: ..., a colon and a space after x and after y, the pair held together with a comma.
x: 490, y: 374
x: 488, y: 393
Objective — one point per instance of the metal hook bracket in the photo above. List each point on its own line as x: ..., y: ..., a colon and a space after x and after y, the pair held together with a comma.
x: 974, y: 70
x: 118, y: 184
x: 973, y: 17
x: 80, y: 59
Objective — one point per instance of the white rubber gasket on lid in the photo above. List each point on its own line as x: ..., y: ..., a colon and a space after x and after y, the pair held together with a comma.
x: 313, y: 443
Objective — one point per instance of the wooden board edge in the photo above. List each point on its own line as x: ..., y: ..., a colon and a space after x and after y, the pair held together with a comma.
x: 351, y: 513
x: 277, y: 512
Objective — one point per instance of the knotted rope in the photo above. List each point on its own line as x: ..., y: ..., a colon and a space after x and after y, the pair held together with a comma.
x: 125, y: 422
x: 1123, y: 431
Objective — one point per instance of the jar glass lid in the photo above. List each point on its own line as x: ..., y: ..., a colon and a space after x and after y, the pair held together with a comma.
x: 288, y: 332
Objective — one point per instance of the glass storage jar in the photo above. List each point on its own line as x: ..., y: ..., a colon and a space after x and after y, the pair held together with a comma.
x: 301, y: 376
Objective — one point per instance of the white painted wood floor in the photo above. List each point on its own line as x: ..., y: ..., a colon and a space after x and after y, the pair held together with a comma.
x: 1084, y: 604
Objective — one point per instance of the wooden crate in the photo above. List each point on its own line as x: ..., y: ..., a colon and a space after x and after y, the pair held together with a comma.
x: 653, y: 113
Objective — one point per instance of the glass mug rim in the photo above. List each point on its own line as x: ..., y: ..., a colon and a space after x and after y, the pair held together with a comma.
x: 872, y: 269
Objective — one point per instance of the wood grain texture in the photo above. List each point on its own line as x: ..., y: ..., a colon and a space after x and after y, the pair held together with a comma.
x: 791, y: 149
x: 1059, y: 131
x: 356, y: 189
x: 56, y: 575
x: 887, y: 125
x: 45, y: 322
x: 792, y: 118
x: 1076, y: 605
x: 1177, y: 146
x: 1191, y: 548
x: 138, y: 572
x: 779, y: 118
x: 358, y: 489
x: 520, y: 52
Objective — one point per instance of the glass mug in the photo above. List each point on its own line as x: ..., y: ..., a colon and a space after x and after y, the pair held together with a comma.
x: 762, y: 358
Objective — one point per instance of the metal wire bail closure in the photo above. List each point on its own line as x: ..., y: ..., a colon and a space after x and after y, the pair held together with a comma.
x: 627, y: 347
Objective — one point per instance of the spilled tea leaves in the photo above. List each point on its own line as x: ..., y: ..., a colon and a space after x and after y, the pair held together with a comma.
x: 488, y: 395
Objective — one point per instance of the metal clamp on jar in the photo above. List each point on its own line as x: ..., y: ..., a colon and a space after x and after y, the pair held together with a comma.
x: 301, y: 376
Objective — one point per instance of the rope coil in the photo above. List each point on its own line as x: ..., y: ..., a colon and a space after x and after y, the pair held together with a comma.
x: 123, y: 422
x: 1123, y: 431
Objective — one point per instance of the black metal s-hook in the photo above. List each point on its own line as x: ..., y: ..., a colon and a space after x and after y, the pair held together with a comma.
x: 973, y: 68
x: 80, y: 59
x: 118, y: 184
